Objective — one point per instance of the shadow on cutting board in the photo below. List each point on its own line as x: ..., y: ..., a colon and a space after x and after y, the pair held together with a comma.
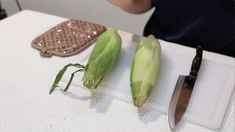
x: 148, y: 114
x: 100, y: 102
x: 74, y: 96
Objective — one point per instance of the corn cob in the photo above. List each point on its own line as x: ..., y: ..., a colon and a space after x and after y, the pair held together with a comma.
x: 145, y: 69
x: 103, y: 56
x: 102, y: 59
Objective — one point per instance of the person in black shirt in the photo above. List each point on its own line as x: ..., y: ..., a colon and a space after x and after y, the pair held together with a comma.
x: 209, y: 23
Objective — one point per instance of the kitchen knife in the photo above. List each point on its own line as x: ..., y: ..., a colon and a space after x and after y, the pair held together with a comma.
x: 183, y: 90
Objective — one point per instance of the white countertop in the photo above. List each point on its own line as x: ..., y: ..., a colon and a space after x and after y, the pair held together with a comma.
x: 25, y: 79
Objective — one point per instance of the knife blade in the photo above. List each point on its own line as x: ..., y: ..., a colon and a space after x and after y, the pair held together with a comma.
x: 182, y: 92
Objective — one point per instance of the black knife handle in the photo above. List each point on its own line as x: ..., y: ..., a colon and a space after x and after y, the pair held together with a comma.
x: 196, y: 62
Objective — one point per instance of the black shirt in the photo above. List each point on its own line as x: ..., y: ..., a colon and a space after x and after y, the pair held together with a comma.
x: 209, y: 23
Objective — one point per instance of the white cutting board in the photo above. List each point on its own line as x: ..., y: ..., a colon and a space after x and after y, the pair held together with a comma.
x: 212, y: 90
x: 26, y: 77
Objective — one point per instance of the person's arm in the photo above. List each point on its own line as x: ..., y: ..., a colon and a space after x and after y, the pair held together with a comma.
x: 133, y: 6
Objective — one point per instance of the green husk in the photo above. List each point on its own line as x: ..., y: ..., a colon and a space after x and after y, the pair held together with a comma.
x: 145, y: 69
x: 103, y: 56
x: 102, y: 59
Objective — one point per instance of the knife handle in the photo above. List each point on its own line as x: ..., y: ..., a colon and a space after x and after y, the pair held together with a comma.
x: 196, y: 62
